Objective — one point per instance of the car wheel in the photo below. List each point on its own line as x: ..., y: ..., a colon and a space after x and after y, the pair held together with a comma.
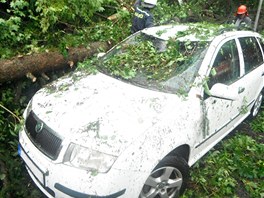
x: 168, y: 179
x: 257, y: 105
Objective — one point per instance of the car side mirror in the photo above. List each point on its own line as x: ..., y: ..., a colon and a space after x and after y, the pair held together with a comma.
x: 224, y: 92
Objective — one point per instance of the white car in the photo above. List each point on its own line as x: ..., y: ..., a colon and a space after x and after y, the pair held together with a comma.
x: 157, y: 102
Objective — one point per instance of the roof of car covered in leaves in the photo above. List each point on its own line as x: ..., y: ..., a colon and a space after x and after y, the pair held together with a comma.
x: 192, y: 32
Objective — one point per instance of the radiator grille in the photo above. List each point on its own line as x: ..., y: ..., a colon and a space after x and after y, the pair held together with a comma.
x: 42, y: 136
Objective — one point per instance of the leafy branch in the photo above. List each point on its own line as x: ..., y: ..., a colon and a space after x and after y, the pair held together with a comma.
x: 14, y: 115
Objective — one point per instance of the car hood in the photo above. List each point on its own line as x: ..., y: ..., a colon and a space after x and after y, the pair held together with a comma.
x: 100, y: 112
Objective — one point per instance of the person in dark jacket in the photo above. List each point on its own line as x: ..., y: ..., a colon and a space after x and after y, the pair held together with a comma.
x: 143, y: 17
x: 242, y: 18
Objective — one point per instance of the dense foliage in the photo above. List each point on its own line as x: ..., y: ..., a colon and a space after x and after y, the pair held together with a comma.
x: 29, y: 26
x: 44, y: 24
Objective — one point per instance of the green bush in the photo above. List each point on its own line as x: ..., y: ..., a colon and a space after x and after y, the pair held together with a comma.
x: 258, y: 123
x: 34, y: 24
x: 14, y: 181
x: 237, y: 166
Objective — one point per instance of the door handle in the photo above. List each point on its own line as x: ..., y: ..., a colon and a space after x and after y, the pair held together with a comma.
x: 241, y: 90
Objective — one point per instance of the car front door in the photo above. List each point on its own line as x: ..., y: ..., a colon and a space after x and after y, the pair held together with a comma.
x: 236, y: 68
x: 222, y: 113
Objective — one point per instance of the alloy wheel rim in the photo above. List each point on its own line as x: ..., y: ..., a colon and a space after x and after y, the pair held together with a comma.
x: 163, y: 182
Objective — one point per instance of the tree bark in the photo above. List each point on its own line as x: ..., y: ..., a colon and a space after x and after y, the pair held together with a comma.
x: 39, y: 63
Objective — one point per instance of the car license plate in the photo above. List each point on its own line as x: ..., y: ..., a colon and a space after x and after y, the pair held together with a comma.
x: 32, y: 167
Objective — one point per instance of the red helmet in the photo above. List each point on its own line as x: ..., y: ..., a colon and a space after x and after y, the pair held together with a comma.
x: 242, y: 9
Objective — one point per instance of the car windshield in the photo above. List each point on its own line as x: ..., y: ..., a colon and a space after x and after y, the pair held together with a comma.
x: 150, y: 62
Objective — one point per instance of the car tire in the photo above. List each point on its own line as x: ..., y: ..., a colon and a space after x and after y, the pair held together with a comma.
x: 168, y: 179
x: 256, y: 107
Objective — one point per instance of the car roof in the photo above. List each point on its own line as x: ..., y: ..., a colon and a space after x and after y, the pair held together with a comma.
x: 194, y: 31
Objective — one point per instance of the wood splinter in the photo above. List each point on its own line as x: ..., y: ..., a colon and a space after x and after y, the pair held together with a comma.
x: 31, y: 77
x: 43, y: 75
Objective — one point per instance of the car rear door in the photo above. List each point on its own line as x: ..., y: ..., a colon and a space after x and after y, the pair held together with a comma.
x: 253, y: 68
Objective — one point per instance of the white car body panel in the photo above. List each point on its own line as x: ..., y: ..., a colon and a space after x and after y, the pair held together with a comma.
x: 140, y: 107
x: 140, y: 132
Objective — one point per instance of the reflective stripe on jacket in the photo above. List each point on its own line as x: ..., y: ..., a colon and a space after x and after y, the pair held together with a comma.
x: 142, y: 19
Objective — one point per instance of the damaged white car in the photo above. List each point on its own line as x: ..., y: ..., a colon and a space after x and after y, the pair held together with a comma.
x: 157, y: 102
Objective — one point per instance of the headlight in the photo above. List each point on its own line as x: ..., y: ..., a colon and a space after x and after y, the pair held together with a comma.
x: 85, y: 158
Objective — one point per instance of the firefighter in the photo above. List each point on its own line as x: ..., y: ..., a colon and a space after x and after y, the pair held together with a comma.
x: 143, y: 17
x: 242, y: 18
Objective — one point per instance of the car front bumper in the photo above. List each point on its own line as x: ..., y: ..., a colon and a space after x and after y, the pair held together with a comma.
x: 56, y: 179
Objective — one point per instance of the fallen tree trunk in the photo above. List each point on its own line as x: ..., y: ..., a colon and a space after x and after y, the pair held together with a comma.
x: 35, y: 64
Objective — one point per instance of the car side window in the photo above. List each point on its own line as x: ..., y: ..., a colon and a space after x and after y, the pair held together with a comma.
x: 251, y: 53
x: 261, y: 43
x: 226, y: 67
